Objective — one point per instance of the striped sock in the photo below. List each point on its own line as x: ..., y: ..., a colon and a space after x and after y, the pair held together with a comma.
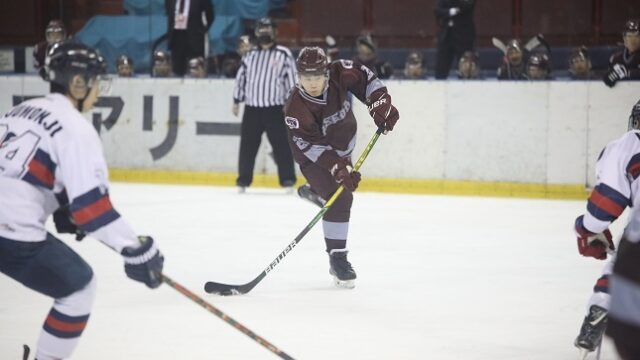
x: 65, y: 323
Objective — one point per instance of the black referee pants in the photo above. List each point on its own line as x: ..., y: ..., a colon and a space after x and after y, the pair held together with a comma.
x: 182, y: 50
x: 255, y: 121
x: 450, y: 48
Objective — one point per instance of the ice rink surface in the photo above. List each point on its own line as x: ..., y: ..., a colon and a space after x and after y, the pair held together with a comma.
x: 438, y: 278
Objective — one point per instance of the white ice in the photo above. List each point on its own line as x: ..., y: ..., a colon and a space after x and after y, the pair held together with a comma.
x: 438, y: 278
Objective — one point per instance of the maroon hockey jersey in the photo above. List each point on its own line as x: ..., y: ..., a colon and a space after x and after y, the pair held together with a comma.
x: 322, y: 129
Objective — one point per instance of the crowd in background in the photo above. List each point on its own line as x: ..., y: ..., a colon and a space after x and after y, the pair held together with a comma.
x: 521, y: 60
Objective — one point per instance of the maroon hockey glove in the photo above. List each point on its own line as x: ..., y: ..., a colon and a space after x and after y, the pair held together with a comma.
x: 384, y: 114
x: 342, y: 173
x: 593, y: 245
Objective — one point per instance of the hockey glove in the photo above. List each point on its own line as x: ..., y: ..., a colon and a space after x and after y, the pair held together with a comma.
x: 65, y: 224
x: 618, y: 72
x: 384, y: 114
x: 144, y: 264
x: 342, y: 174
x: 593, y: 245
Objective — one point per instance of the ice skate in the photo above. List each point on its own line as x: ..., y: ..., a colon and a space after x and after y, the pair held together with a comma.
x: 25, y: 352
x: 343, y: 274
x: 306, y: 193
x: 591, y: 332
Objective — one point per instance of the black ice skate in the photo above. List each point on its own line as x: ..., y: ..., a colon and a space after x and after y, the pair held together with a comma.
x: 593, y: 327
x: 341, y: 269
x: 25, y: 352
x: 306, y: 193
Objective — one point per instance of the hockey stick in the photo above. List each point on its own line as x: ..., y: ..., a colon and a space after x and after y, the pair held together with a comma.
x: 226, y: 289
x: 217, y: 312
x: 212, y: 309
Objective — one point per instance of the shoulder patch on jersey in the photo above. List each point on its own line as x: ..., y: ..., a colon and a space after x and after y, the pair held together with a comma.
x: 292, y: 122
x: 368, y: 71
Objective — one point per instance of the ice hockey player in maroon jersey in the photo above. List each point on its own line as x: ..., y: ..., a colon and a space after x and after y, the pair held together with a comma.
x: 322, y: 134
x: 625, y: 65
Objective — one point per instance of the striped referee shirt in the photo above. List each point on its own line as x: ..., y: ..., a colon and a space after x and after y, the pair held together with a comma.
x: 265, y: 77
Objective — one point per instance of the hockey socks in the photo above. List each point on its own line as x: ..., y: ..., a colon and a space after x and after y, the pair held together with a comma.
x: 65, y: 323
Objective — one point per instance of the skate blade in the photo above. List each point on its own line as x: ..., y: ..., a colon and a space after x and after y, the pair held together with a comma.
x: 345, y: 284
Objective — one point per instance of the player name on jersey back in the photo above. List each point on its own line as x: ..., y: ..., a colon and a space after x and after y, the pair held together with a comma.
x: 37, y: 115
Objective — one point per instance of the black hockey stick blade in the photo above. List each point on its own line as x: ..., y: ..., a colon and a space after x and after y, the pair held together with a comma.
x: 227, y: 290
x: 212, y: 287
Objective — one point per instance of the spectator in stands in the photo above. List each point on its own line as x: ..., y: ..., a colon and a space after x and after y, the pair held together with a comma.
x: 197, y: 68
x: 332, y: 51
x: 124, y: 66
x: 468, y: 66
x: 457, y: 32
x: 625, y: 64
x: 538, y: 67
x: 161, y: 64
x: 414, y: 66
x: 54, y: 33
x: 231, y: 62
x: 264, y: 90
x: 366, y: 54
x: 186, y: 29
x: 513, y: 63
x: 580, y: 64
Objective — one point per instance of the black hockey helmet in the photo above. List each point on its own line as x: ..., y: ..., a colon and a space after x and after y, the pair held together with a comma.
x: 634, y: 118
x: 124, y: 66
x: 367, y: 41
x: 55, y: 31
x: 124, y: 60
x: 538, y: 67
x: 414, y: 58
x: 631, y: 26
x: 312, y: 60
x: 539, y: 60
x: 580, y: 52
x: 265, y: 31
x: 67, y: 59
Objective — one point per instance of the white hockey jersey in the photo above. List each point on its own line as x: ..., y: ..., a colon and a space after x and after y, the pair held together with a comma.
x: 617, y: 187
x: 51, y: 155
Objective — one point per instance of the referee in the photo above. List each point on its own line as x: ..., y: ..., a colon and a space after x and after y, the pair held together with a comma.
x: 264, y: 79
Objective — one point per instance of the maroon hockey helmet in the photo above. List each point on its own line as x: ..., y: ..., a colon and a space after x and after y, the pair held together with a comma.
x: 312, y: 61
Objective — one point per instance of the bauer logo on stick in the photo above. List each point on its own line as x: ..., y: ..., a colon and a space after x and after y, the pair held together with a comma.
x: 292, y: 122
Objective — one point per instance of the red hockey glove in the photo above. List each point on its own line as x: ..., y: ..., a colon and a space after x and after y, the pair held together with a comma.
x: 342, y: 173
x: 593, y: 245
x: 384, y: 114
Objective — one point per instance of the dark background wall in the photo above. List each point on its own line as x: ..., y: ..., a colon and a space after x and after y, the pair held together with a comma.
x: 397, y: 23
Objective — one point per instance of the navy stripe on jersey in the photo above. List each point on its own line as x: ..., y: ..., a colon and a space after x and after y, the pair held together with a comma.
x: 41, y: 170
x: 65, y: 326
x: 265, y: 77
x: 602, y: 285
x: 633, y: 168
x: 93, y: 210
x: 606, y: 203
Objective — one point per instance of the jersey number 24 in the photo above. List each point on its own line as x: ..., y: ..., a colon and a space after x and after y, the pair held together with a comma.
x: 16, y: 151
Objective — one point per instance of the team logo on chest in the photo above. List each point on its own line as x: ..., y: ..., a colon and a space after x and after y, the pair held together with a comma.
x: 292, y: 122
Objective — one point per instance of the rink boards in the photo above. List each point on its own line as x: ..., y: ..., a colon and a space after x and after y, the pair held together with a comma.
x: 475, y: 138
